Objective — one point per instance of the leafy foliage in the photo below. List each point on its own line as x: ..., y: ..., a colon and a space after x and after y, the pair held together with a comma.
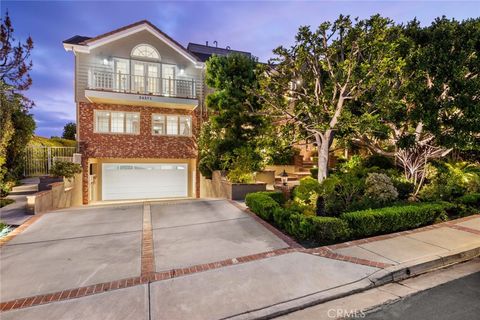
x: 306, y: 193
x: 65, y: 169
x: 69, y: 131
x: 434, y: 105
x: 15, y: 123
x: 391, y: 219
x: 379, y: 189
x: 311, y: 83
x: 451, y: 180
x: 230, y: 136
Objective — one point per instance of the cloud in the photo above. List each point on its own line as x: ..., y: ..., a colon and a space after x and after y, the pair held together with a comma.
x: 255, y: 26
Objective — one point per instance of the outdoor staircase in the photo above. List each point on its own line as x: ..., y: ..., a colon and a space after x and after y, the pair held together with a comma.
x: 303, y: 171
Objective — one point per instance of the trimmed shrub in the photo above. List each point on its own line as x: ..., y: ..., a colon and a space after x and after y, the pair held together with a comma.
x: 305, y: 195
x: 262, y: 205
x: 303, y: 192
x: 391, y: 219
x: 318, y: 229
x: 275, y: 195
x: 472, y: 199
x: 65, y: 169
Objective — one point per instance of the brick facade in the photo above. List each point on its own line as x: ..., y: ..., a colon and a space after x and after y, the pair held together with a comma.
x: 125, y: 146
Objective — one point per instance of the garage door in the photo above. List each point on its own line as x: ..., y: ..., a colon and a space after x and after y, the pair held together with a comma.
x: 143, y: 181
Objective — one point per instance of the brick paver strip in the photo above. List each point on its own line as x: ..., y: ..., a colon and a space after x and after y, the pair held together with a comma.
x: 148, y: 257
x: 20, y: 229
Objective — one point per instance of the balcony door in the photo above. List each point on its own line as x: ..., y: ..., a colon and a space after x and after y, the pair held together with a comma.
x: 121, y: 75
x: 145, y: 77
x: 168, y: 80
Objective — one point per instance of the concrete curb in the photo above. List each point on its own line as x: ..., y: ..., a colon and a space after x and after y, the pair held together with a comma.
x: 391, y: 274
x: 423, y: 265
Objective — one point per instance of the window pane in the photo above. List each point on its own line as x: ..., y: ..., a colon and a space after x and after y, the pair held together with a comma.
x: 132, y: 123
x: 146, y: 51
x: 172, y: 125
x: 158, y: 124
x: 185, y: 125
x: 117, y: 124
x: 102, y: 121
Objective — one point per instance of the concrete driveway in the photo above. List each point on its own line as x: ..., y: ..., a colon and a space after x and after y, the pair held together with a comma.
x: 189, y: 233
x: 72, y: 248
x: 80, y: 247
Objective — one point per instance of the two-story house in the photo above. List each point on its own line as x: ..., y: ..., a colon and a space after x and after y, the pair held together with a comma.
x: 139, y: 97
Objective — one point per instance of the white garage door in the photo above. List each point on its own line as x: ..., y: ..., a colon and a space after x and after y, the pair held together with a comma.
x: 144, y: 180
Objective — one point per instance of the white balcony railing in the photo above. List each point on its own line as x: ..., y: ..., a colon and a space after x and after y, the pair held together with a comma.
x: 120, y: 82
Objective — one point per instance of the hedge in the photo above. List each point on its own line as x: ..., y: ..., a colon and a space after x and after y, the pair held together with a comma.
x: 391, y: 219
x: 319, y: 229
x: 355, y: 224
x: 262, y: 205
x: 275, y: 195
x: 472, y: 199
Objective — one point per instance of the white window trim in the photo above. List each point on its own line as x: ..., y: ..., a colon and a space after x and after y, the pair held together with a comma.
x: 143, y: 57
x: 110, y: 123
x: 178, y: 125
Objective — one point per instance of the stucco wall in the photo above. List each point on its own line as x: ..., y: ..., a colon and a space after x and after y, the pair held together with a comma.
x: 61, y: 195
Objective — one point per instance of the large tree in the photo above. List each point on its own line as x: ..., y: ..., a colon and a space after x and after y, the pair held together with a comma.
x: 15, y: 65
x: 233, y: 126
x: 432, y: 103
x: 311, y: 83
x: 69, y: 131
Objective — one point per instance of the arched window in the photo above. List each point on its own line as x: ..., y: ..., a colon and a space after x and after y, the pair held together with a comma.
x: 145, y: 51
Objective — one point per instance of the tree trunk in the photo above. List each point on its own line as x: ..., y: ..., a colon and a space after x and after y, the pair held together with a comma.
x: 323, y: 147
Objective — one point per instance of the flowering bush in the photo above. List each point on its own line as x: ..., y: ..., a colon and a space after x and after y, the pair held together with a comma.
x: 379, y: 188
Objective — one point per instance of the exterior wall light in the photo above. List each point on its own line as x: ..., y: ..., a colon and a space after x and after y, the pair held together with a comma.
x: 284, y: 177
x: 105, y: 61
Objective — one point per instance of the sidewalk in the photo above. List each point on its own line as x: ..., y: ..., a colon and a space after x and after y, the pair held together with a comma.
x: 15, y: 213
x: 270, y: 284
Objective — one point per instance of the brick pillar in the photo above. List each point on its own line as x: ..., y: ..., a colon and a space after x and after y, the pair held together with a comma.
x: 85, y: 180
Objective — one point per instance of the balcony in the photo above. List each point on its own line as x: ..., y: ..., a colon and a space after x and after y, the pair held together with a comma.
x: 111, y: 87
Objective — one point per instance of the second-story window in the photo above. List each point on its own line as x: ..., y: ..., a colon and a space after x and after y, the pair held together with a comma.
x: 172, y: 125
x: 145, y: 51
x: 117, y: 122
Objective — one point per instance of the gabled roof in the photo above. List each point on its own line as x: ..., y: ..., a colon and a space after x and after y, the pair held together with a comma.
x: 203, y: 52
x: 76, y: 39
x: 84, y: 44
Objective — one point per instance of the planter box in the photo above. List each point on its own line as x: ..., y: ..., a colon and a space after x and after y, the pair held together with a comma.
x: 219, y: 187
x: 238, y: 191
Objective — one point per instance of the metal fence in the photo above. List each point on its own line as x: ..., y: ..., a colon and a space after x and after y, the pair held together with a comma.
x: 39, y: 160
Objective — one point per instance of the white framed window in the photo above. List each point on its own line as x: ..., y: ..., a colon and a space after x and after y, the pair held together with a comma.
x: 171, y: 125
x: 145, y: 51
x: 185, y: 125
x: 158, y: 124
x: 132, y: 122
x: 117, y: 122
x: 102, y: 121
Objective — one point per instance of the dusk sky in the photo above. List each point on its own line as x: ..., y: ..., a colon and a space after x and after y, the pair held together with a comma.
x: 252, y: 26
